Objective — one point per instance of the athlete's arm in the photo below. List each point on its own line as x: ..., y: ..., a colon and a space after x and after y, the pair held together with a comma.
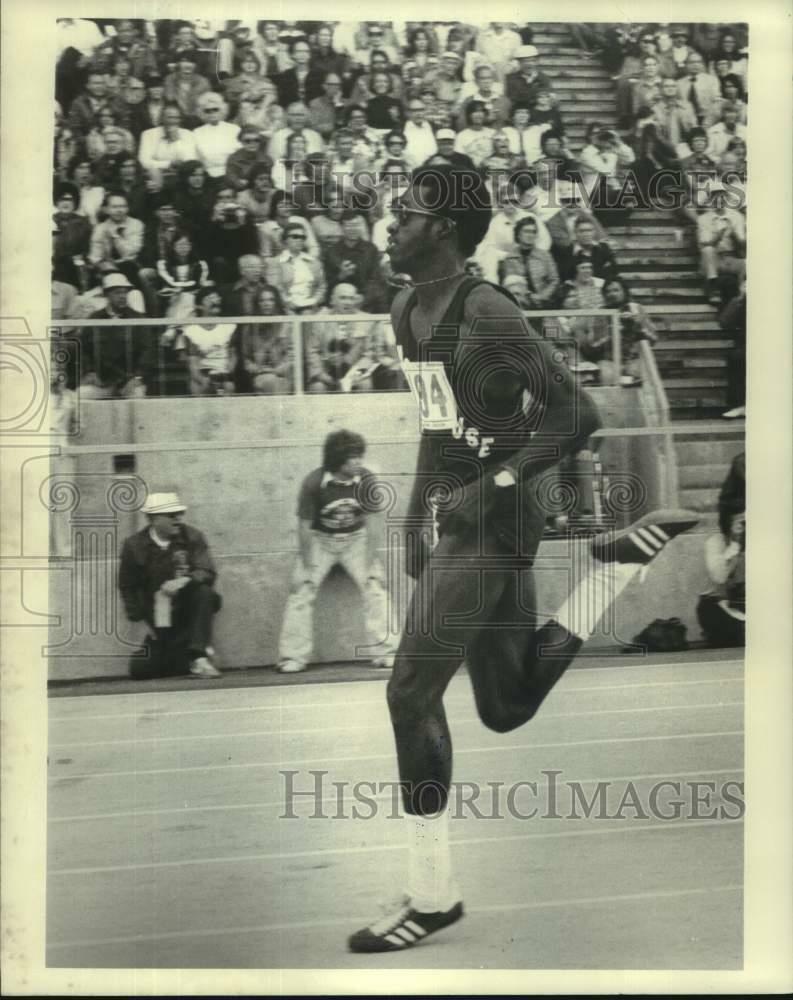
x: 563, y: 416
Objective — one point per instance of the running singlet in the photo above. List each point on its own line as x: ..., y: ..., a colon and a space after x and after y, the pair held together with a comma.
x: 473, y: 405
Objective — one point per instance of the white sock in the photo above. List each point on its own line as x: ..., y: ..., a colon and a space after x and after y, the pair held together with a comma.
x: 430, y: 884
x: 583, y: 610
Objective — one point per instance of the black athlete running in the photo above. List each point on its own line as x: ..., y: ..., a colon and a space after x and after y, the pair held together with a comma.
x: 497, y: 409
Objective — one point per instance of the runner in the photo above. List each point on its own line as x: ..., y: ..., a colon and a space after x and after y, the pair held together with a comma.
x: 498, y: 408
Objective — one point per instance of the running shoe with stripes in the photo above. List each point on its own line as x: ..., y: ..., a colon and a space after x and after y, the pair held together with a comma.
x: 644, y: 539
x: 403, y: 928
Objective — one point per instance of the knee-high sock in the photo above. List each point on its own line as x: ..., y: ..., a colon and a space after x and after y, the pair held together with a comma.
x: 589, y: 601
x: 430, y: 884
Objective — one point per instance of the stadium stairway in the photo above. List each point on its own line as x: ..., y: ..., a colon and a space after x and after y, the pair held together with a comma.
x: 658, y: 259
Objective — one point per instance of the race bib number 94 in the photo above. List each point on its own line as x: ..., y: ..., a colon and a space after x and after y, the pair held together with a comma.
x: 430, y: 386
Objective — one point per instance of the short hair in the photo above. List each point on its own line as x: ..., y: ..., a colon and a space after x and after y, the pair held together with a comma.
x: 339, y: 447
x: 528, y: 220
x: 473, y: 107
x: 547, y: 136
x: 460, y: 195
x: 257, y: 170
x: 295, y: 227
x: 394, y: 134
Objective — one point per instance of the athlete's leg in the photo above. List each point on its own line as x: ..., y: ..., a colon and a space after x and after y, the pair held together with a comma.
x: 451, y: 600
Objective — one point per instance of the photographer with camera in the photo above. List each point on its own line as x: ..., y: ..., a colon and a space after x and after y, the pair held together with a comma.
x: 231, y: 234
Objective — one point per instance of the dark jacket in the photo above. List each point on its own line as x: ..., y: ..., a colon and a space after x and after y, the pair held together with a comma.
x: 145, y: 567
x: 289, y: 88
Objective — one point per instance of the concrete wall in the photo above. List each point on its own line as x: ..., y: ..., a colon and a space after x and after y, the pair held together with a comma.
x: 238, y: 464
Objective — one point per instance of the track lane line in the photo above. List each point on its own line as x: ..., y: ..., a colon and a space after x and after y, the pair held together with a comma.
x: 284, y: 856
x: 466, y: 720
x: 384, y: 797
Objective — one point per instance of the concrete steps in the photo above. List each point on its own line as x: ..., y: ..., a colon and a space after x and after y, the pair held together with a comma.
x: 659, y: 261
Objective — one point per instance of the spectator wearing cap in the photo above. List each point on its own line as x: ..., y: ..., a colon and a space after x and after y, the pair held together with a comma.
x: 700, y: 89
x: 476, y: 139
x: 485, y: 90
x: 498, y: 44
x: 296, y: 123
x: 527, y: 80
x: 326, y: 112
x: 301, y: 82
x: 673, y: 115
x: 535, y: 265
x: 216, y: 139
x: 112, y: 362
x: 448, y: 81
x: 681, y: 49
x: 446, y: 139
x: 420, y: 143
x: 167, y: 145
x: 723, y: 132
x: 185, y: 85
x: 721, y: 236
x: 252, y: 153
x: 166, y: 579
x: 354, y: 260
x: 302, y: 281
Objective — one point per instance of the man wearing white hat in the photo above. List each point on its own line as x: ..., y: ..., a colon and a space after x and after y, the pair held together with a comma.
x: 112, y: 360
x: 166, y: 578
x: 525, y: 83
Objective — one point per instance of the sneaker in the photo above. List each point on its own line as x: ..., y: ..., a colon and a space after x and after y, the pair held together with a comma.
x: 642, y: 541
x: 403, y: 928
x: 291, y: 667
x: 201, y: 667
x: 734, y: 414
x: 386, y: 662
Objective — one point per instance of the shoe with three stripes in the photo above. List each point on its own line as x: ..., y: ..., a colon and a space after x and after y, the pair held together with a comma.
x: 644, y: 539
x: 403, y: 928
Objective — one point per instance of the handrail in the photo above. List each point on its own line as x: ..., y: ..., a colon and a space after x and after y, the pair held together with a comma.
x: 660, y: 415
x: 291, y: 318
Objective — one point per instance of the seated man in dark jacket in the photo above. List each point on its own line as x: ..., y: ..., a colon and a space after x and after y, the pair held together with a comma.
x: 166, y: 578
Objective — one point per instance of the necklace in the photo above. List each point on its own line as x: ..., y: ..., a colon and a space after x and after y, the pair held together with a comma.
x: 434, y: 281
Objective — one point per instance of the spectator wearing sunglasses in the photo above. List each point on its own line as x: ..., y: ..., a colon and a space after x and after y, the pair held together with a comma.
x: 216, y: 139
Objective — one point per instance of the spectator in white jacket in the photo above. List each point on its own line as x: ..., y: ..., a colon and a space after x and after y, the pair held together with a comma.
x: 217, y: 139
x: 168, y: 144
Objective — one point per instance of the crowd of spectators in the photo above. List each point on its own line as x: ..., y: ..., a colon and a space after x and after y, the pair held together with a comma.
x: 233, y: 168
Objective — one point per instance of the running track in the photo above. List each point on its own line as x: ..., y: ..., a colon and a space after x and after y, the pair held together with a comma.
x: 166, y: 849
